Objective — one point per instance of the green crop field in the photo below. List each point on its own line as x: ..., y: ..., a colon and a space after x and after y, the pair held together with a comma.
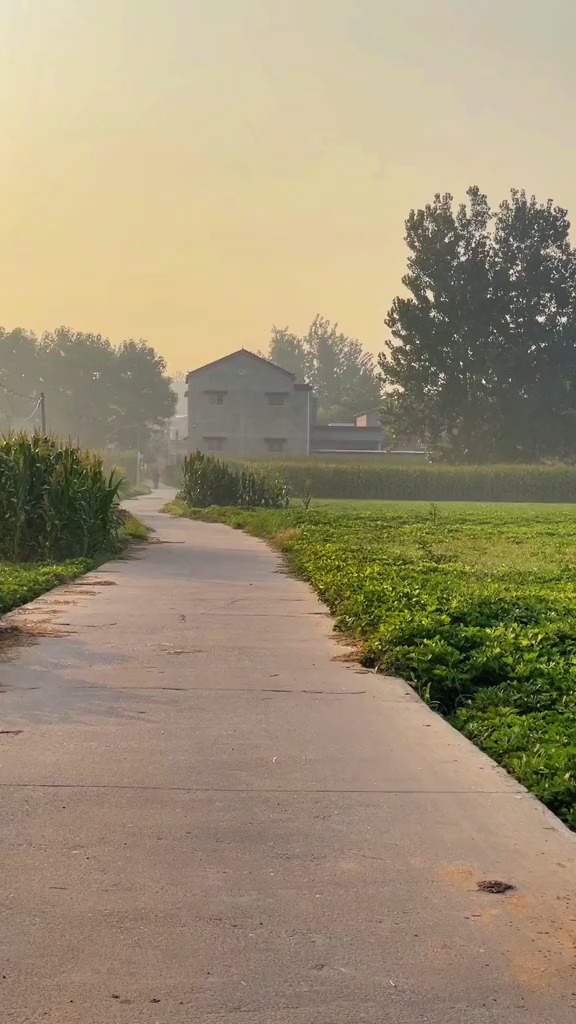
x: 474, y: 604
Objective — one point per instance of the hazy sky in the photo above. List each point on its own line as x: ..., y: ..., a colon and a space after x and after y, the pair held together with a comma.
x: 193, y: 171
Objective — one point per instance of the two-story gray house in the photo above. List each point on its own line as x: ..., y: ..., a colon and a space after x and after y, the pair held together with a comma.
x: 243, y: 404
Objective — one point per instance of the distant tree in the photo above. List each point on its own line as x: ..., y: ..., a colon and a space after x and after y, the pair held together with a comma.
x: 482, y: 359
x: 95, y: 392
x: 79, y: 382
x: 143, y: 395
x: 290, y: 352
x: 343, y: 375
x: 20, y: 378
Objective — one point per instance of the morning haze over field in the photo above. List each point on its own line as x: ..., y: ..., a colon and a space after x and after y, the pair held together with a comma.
x: 193, y: 172
x: 288, y: 455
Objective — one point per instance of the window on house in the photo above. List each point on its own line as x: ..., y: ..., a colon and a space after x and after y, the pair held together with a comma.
x: 214, y: 444
x: 277, y: 398
x: 275, y: 444
x: 216, y: 397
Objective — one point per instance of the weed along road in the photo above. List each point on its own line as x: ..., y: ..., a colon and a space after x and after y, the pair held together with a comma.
x: 209, y: 814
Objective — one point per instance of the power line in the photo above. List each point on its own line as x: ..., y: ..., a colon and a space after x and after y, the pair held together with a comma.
x: 40, y: 404
x: 17, y: 394
x: 34, y: 411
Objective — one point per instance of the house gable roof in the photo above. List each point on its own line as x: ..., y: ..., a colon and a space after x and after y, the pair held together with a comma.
x: 234, y: 355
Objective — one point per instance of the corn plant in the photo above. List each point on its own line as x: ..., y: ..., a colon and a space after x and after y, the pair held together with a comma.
x: 207, y: 481
x: 56, y: 501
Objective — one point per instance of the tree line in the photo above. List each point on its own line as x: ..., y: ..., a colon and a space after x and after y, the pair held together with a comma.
x: 480, y: 364
x: 343, y: 375
x: 94, y: 391
x: 103, y: 394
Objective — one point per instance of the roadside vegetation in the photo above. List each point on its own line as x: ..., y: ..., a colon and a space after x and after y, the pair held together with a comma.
x: 22, y: 583
x: 475, y: 605
x: 59, y: 516
x: 56, y: 501
x: 207, y: 481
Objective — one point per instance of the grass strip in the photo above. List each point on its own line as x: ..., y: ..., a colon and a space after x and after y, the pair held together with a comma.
x: 23, y: 582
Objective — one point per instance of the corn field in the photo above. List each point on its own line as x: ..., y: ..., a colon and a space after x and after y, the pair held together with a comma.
x: 206, y: 481
x: 361, y: 480
x: 56, y: 501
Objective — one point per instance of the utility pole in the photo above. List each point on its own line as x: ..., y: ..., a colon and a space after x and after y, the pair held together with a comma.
x: 43, y: 412
x: 138, y: 457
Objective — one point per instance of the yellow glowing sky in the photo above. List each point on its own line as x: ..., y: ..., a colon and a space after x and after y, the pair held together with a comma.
x: 192, y: 171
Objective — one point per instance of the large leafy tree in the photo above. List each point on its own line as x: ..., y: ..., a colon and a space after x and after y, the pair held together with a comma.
x: 79, y: 383
x: 482, y: 358
x: 143, y: 396
x: 343, y: 375
x: 95, y: 392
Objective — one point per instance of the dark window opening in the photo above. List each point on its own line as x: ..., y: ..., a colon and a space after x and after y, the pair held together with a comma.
x: 216, y: 397
x: 214, y: 444
x: 277, y: 398
x: 275, y: 444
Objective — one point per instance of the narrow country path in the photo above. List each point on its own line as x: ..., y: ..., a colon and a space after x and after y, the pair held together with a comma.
x: 208, y: 815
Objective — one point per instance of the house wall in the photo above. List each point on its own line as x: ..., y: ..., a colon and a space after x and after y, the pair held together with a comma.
x: 336, y: 437
x: 245, y: 421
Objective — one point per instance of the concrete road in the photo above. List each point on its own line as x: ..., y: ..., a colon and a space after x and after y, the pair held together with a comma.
x: 208, y: 815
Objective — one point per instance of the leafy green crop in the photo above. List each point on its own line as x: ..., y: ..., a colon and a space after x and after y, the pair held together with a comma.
x: 22, y: 583
x: 474, y: 605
